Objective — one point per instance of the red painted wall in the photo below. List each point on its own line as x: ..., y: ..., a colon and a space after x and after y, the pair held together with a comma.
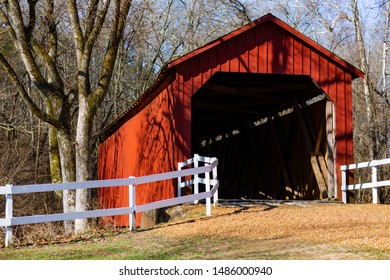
x: 159, y: 136
x: 142, y: 146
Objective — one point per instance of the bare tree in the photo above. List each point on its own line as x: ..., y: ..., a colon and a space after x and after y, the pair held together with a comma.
x: 41, y: 59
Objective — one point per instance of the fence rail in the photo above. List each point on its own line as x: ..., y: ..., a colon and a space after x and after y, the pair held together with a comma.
x: 209, y: 167
x: 374, y: 178
x: 195, y: 162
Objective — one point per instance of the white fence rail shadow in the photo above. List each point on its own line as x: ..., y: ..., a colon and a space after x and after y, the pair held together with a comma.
x: 209, y: 167
x: 374, y: 179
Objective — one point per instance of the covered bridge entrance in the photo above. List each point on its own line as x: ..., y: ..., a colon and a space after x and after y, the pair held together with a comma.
x: 268, y: 132
x: 271, y: 104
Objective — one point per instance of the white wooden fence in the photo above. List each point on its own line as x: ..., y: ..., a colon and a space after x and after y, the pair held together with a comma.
x: 374, y: 180
x: 209, y: 167
x: 195, y: 162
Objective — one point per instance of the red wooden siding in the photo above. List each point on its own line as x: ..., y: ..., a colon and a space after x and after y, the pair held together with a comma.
x: 142, y: 146
x: 159, y: 135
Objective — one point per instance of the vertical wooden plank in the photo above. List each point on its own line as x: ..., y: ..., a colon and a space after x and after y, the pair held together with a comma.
x: 324, y: 74
x: 289, y: 57
x: 213, y: 59
x: 298, y: 58
x: 253, y: 49
x: 332, y: 82
x: 314, y: 66
x: 223, y: 57
x: 171, y: 134
x: 348, y: 118
x: 242, y: 53
x: 278, y: 49
x: 349, y: 129
x: 340, y: 136
x: 262, y: 49
x: 179, y: 111
x: 205, y: 71
x: 306, y: 61
x: 232, y: 55
x: 190, y: 77
x: 193, y: 70
x: 270, y: 47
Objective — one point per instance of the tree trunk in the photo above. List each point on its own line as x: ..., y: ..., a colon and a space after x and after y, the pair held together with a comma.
x: 68, y: 169
x: 83, y: 152
x: 368, y: 94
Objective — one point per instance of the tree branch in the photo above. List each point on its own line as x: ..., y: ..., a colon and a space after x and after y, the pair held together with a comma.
x: 57, y: 85
x: 23, y: 44
x: 53, y: 36
x: 77, y: 32
x: 7, y: 24
x: 121, y: 11
x: 24, y: 95
x: 92, y: 11
x: 94, y: 33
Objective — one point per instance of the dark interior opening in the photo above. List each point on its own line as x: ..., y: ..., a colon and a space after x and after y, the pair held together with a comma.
x: 264, y: 129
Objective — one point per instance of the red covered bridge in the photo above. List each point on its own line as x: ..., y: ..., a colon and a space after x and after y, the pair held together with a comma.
x: 272, y: 105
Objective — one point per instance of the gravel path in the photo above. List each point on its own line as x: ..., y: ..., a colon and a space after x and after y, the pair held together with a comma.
x: 353, y: 226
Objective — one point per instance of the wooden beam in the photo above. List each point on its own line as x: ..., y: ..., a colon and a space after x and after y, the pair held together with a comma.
x: 320, y: 133
x: 224, y: 107
x: 317, y: 149
x: 313, y: 159
x: 330, y: 148
x: 318, y: 141
x: 248, y: 92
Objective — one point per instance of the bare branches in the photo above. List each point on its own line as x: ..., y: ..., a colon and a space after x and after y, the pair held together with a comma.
x: 121, y: 9
x: 77, y: 31
x: 24, y: 95
x: 53, y: 36
x: 95, y: 30
x: 92, y: 11
x: 241, y: 10
x: 56, y: 85
x: 5, y: 20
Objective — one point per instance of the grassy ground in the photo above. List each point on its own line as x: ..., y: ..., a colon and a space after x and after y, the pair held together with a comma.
x: 260, y: 232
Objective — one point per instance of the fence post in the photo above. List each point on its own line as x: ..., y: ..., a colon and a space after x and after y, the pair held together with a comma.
x: 179, y: 167
x: 8, y: 215
x: 132, y: 216
x: 215, y: 177
x: 208, y: 199
x: 344, y: 185
x: 374, y: 189
x: 196, y: 177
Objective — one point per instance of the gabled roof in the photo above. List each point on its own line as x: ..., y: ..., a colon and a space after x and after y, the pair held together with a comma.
x: 356, y: 73
x: 167, y: 74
